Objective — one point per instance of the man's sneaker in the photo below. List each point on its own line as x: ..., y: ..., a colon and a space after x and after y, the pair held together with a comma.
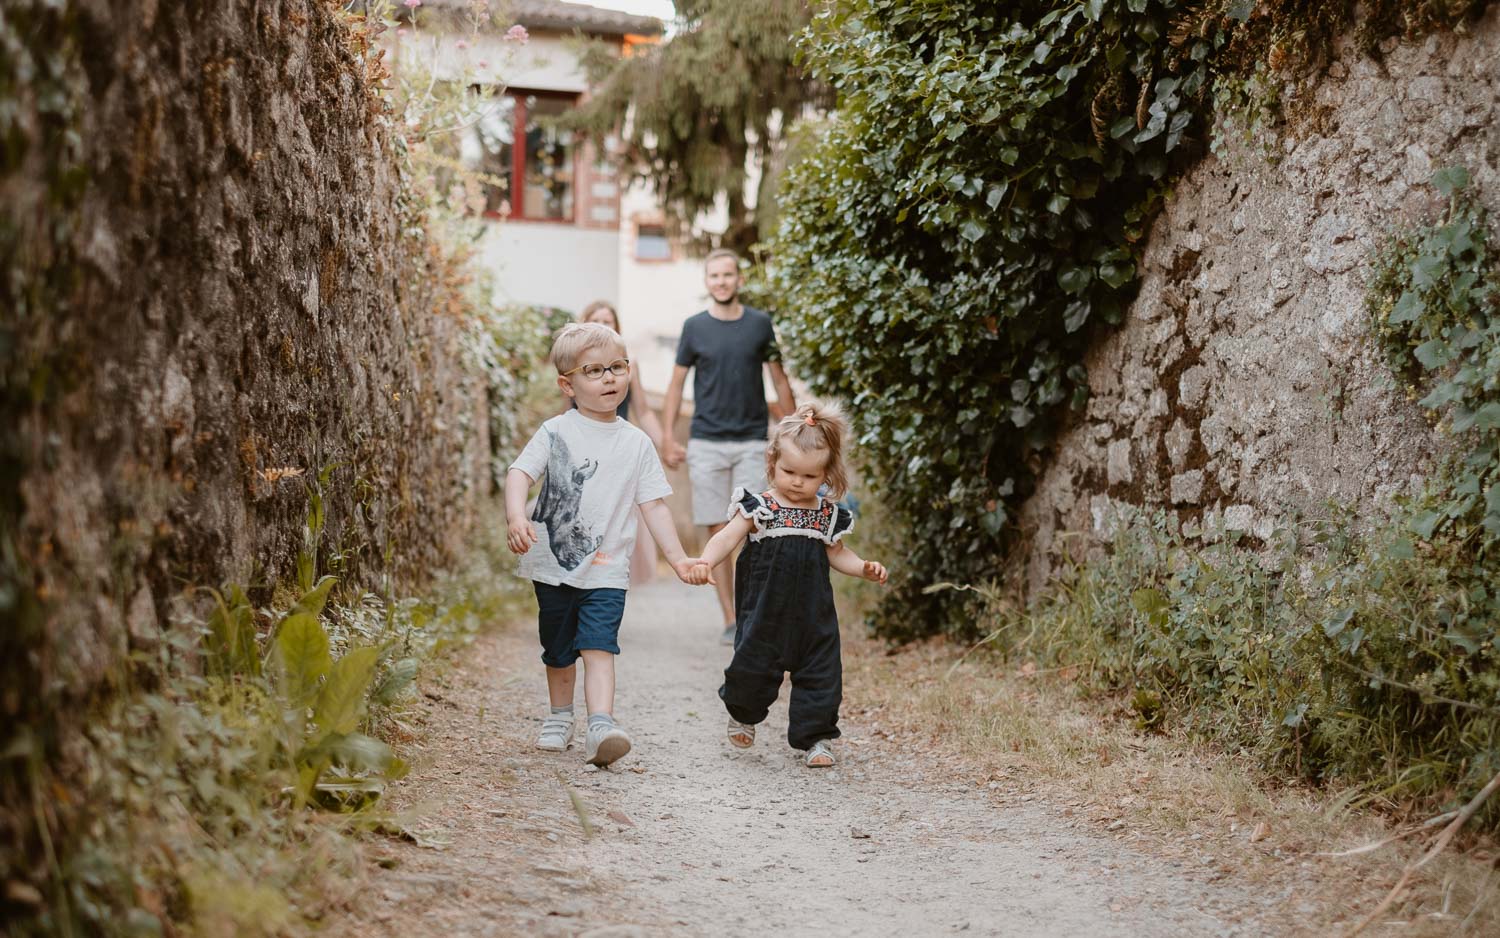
x: 604, y: 744
x: 728, y: 637
x: 557, y: 732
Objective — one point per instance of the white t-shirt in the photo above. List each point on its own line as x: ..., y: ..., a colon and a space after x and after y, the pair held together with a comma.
x: 593, y: 475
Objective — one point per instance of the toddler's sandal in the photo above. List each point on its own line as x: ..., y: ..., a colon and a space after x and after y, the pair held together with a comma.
x: 741, y: 735
x: 820, y: 756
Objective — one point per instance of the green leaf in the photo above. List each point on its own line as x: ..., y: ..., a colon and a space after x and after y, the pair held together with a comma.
x: 973, y: 230
x: 1450, y: 179
x: 1093, y: 9
x: 1426, y: 523
x: 1152, y: 604
x: 1407, y: 308
x: 1433, y: 354
x: 1338, y: 622
x: 313, y: 601
x: 341, y: 703
x: 400, y: 676
x: 1074, y: 279
x: 1057, y: 203
x: 301, y: 658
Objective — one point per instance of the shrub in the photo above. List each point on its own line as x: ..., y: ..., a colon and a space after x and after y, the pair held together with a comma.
x: 974, y: 211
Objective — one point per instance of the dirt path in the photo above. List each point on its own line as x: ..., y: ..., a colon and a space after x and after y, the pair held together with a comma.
x: 693, y: 838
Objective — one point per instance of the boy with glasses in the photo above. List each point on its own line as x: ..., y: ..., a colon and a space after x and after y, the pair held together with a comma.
x: 595, y: 469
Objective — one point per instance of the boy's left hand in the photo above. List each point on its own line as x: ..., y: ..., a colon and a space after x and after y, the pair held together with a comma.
x: 875, y: 572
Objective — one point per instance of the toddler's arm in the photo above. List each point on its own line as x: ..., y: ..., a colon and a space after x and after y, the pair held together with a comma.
x: 520, y: 535
x: 659, y: 522
x: 719, y: 547
x: 849, y: 563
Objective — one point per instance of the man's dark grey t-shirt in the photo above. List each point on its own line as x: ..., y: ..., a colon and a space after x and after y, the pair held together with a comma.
x: 729, y: 399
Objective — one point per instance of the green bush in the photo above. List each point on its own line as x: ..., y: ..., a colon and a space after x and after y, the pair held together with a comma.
x: 974, y: 211
x: 1364, y: 660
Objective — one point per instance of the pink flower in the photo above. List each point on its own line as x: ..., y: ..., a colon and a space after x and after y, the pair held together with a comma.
x: 411, y: 4
x: 400, y: 32
x: 517, y: 33
x: 483, y: 64
x: 461, y: 44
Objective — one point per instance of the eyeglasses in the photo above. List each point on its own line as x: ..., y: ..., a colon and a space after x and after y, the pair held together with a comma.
x: 593, y: 371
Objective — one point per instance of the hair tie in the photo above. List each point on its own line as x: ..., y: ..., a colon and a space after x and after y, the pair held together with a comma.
x: 810, y: 420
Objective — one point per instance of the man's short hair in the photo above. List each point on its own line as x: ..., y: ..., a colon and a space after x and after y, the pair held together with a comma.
x: 717, y: 253
x: 578, y: 337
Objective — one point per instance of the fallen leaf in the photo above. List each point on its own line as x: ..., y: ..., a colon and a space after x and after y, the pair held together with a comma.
x: 858, y: 834
x: 1260, y: 832
x: 620, y: 817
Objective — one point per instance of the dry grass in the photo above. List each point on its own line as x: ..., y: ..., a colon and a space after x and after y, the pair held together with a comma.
x: 1023, y: 733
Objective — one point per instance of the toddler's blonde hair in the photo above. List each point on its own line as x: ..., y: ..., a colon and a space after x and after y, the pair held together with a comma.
x: 814, y: 426
x: 578, y: 337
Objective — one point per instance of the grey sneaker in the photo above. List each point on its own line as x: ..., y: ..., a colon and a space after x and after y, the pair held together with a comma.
x: 728, y: 637
x: 557, y: 732
x: 605, y: 744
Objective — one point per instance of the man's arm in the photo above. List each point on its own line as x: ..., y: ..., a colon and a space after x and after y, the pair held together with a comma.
x: 783, y: 387
x: 672, y: 452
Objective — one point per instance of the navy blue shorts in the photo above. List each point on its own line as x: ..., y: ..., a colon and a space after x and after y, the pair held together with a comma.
x: 570, y: 620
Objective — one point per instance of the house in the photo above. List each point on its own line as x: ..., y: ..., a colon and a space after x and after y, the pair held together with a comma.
x: 566, y: 230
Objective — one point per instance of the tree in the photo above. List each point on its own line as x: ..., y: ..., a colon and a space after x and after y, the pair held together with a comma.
x: 703, y: 115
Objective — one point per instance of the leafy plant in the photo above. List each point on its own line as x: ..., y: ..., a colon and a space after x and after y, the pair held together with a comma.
x: 974, y: 211
x: 1355, y: 658
x: 1434, y: 302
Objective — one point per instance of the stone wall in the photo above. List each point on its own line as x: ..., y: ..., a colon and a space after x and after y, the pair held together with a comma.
x: 238, y: 298
x: 1243, y: 386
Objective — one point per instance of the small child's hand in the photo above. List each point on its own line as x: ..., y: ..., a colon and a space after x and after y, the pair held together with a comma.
x: 875, y: 572
x: 520, y: 535
x: 694, y: 572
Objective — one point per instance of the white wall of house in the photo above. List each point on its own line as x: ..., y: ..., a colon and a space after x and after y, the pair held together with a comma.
x: 552, y: 264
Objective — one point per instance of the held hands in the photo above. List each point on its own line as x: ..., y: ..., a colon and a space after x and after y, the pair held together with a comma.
x: 874, y: 572
x: 673, y: 453
x: 694, y: 572
x: 520, y: 535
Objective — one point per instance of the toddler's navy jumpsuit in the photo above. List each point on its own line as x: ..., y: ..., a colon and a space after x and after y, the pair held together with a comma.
x: 785, y: 617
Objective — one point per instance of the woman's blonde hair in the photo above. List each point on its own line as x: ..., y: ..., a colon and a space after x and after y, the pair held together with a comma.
x: 814, y: 426
x: 578, y: 337
x: 597, y: 305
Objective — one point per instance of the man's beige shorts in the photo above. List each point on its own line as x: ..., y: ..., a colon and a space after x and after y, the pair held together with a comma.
x: 716, y: 468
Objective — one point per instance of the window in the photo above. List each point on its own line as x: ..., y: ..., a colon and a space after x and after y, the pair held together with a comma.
x: 491, y: 151
x: 651, y: 243
x: 544, y: 163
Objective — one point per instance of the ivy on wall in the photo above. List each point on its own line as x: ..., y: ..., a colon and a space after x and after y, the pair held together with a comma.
x: 975, y: 210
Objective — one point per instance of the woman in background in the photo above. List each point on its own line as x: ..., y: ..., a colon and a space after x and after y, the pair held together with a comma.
x: 635, y: 409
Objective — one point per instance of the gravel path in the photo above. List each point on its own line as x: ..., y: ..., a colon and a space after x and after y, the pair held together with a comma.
x: 693, y: 838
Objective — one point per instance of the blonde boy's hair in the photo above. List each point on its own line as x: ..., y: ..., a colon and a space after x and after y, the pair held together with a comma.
x: 815, y: 426
x: 578, y: 337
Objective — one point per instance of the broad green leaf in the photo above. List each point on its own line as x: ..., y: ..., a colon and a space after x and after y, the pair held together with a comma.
x: 1152, y: 604
x: 302, y: 658
x: 1338, y: 622
x: 400, y: 676
x: 1450, y: 179
x: 1433, y: 353
x: 1074, y: 279
x: 313, y: 601
x: 1407, y: 308
x: 341, y: 702
x: 1426, y: 523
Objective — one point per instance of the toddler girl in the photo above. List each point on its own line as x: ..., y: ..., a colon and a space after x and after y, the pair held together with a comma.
x: 783, y: 599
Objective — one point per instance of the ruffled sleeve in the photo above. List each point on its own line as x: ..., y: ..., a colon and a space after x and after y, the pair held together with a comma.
x: 750, y: 506
x: 843, y: 523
